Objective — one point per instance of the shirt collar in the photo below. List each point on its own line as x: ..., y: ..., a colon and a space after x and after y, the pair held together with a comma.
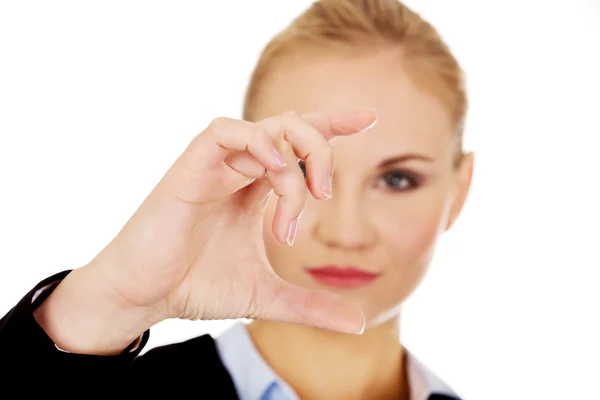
x: 252, y: 376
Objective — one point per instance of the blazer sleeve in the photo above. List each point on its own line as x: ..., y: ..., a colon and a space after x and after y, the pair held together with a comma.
x: 26, y: 351
x: 34, y: 366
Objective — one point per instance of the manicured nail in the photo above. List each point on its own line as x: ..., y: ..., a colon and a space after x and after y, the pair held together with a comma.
x: 372, y: 124
x: 291, y: 234
x: 353, y: 326
x: 361, y: 331
x: 326, y: 187
x: 278, y: 158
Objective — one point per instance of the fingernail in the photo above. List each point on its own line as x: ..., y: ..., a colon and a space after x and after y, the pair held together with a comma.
x: 372, y: 124
x: 361, y: 330
x: 326, y: 187
x: 278, y: 158
x: 291, y: 234
x: 351, y: 327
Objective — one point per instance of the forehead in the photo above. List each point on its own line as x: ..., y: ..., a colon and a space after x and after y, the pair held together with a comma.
x: 409, y: 120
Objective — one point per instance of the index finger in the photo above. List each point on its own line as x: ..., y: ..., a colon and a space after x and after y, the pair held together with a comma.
x: 341, y: 123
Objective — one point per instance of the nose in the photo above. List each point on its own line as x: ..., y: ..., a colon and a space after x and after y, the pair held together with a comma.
x: 343, y: 223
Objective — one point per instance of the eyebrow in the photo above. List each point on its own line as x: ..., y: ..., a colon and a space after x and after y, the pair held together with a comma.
x: 404, y: 157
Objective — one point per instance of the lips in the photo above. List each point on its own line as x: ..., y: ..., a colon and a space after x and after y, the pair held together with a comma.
x: 342, y: 276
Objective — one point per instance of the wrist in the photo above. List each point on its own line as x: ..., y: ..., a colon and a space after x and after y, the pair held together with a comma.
x: 83, y: 316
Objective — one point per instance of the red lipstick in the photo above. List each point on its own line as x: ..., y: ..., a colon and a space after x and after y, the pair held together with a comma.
x: 342, y: 277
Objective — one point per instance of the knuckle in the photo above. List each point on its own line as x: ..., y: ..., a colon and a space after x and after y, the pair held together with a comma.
x: 257, y: 137
x: 260, y: 132
x: 301, y: 194
x: 291, y: 114
x: 285, y: 146
x: 217, y: 124
x: 294, y: 192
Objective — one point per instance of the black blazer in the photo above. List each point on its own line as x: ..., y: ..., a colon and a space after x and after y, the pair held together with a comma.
x: 32, y: 365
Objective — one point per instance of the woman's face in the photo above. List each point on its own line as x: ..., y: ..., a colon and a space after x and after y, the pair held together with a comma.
x: 395, y: 187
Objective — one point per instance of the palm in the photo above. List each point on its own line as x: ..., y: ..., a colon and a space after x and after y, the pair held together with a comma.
x: 236, y: 245
x: 172, y: 276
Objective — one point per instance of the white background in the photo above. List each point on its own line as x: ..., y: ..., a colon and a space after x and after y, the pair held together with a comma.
x: 98, y: 98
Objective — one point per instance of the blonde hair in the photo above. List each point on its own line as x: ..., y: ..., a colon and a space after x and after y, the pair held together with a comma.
x: 370, y: 24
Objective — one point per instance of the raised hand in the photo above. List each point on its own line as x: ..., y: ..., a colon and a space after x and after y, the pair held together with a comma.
x: 194, y: 249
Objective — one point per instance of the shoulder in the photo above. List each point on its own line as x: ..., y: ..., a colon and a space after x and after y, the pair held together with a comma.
x: 195, y: 361
x: 425, y: 383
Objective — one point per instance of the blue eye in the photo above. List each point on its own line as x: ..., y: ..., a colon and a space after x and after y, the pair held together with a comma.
x: 398, y: 181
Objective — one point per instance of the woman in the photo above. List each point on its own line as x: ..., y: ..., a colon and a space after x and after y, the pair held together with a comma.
x: 219, y: 236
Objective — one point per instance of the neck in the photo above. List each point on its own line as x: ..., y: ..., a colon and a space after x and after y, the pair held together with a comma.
x: 323, y: 364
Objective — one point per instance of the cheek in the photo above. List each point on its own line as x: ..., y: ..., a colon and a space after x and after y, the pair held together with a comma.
x: 409, y: 230
x: 413, y: 227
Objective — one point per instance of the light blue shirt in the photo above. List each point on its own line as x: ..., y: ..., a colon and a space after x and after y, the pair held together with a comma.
x: 255, y: 380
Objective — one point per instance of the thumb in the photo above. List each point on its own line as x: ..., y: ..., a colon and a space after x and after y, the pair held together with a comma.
x: 285, y: 302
